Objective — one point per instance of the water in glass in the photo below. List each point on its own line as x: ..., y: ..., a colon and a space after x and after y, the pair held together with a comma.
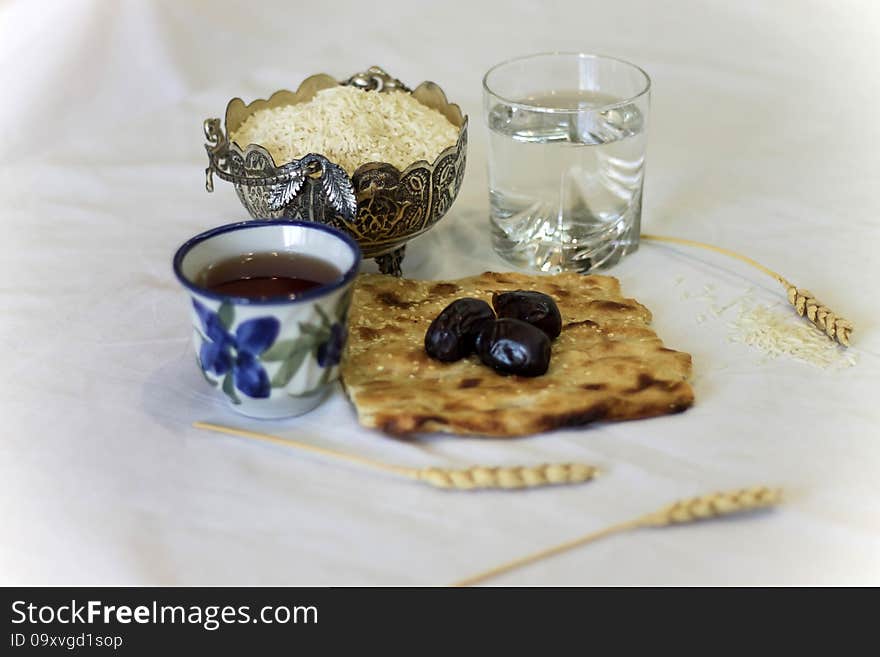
x: 565, y: 184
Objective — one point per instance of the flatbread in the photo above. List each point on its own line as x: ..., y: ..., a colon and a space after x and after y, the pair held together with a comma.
x: 606, y: 365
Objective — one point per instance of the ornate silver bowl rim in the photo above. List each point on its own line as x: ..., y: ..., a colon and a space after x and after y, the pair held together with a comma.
x: 237, y: 111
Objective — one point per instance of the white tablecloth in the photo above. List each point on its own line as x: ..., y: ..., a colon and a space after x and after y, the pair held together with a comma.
x: 764, y: 139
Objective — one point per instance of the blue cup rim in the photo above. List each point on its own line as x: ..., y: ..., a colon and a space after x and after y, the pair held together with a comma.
x: 320, y: 291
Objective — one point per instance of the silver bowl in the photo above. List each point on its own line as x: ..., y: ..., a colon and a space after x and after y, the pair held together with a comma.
x: 381, y: 206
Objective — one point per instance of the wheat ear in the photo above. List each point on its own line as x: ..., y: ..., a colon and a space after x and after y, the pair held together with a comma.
x: 835, y: 327
x: 713, y: 506
x: 473, y: 478
x: 508, y: 477
x: 689, y: 510
x: 806, y: 305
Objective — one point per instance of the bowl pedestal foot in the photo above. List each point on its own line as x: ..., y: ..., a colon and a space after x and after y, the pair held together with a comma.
x: 390, y: 262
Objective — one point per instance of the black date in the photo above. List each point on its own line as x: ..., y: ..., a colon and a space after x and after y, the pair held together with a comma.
x: 511, y: 346
x: 452, y: 334
x: 535, y: 308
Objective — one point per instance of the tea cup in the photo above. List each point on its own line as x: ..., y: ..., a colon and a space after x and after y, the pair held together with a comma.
x: 272, y: 357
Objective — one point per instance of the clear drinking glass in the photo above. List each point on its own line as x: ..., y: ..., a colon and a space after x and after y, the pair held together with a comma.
x: 567, y: 135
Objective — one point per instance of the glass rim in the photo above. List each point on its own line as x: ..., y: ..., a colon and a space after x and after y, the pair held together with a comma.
x: 568, y: 53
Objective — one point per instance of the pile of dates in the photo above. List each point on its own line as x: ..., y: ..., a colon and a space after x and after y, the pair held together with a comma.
x: 514, y: 338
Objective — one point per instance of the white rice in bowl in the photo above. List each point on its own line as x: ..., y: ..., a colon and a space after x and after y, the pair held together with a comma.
x: 351, y: 127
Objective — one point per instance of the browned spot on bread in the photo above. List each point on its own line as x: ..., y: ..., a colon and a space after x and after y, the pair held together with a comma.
x: 444, y: 288
x: 584, y: 322
x: 594, y: 386
x: 648, y: 381
x: 488, y: 424
x: 391, y: 299
x: 470, y: 383
x: 367, y: 333
x: 610, y: 306
x: 575, y: 418
x: 500, y: 278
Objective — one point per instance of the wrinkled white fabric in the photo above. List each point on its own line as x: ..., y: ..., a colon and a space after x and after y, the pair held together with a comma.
x: 763, y: 139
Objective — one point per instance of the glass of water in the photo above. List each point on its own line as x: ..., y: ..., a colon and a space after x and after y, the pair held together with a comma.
x: 567, y: 137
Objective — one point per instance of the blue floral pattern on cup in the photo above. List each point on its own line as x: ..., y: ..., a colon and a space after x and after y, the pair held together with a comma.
x: 236, y: 359
x: 235, y: 356
x: 322, y: 340
x: 330, y: 351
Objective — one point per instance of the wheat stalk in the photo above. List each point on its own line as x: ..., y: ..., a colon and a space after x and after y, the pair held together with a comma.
x: 835, y: 327
x: 683, y: 511
x: 473, y: 478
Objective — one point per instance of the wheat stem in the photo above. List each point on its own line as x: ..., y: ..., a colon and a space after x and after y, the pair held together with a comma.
x: 473, y: 478
x: 543, y: 554
x: 682, y: 511
x: 296, y: 444
x: 806, y: 305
